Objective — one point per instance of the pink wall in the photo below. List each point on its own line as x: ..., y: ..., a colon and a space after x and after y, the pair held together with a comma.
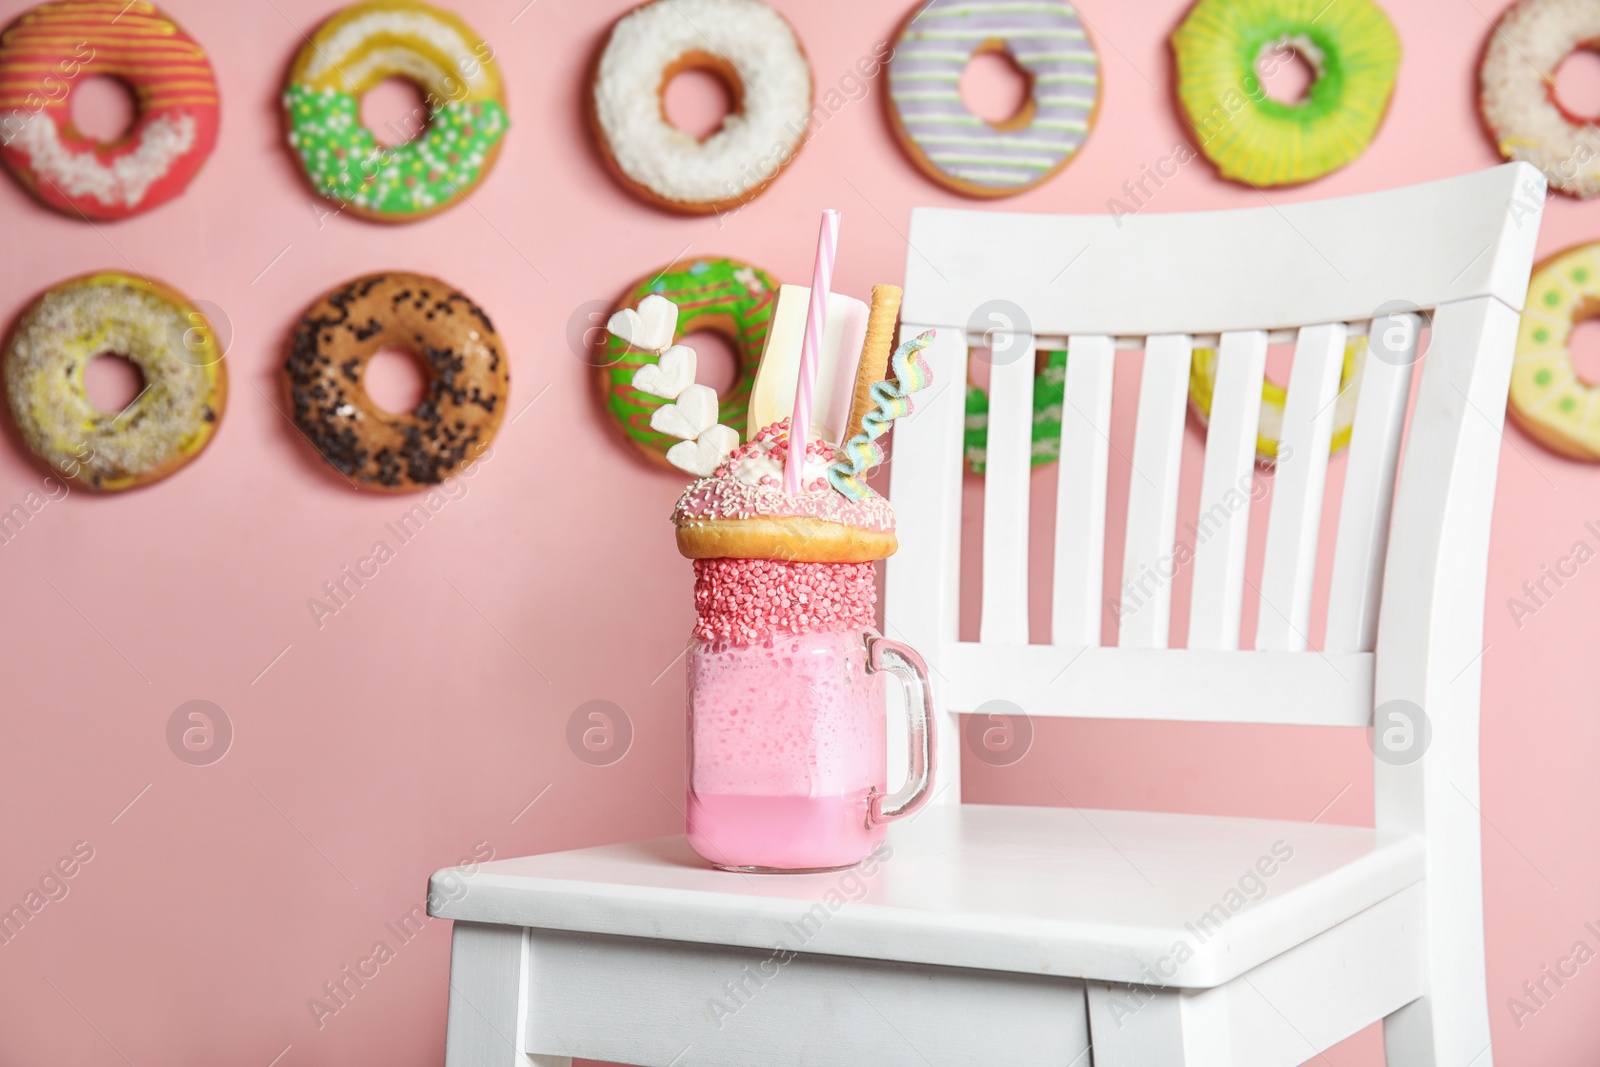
x: 424, y: 717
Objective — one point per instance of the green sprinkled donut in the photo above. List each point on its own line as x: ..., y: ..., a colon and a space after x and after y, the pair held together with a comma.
x: 722, y: 296
x: 1049, y: 392
x: 461, y: 128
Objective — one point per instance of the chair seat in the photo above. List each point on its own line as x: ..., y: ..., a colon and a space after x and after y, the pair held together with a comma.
x: 1177, y: 900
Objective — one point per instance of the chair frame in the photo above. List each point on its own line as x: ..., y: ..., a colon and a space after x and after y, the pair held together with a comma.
x: 1405, y: 618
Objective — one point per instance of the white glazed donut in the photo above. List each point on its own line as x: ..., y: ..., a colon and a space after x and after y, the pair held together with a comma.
x: 1517, y: 91
x: 748, y: 45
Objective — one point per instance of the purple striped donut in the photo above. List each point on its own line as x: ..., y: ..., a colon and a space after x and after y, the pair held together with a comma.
x: 1046, y: 39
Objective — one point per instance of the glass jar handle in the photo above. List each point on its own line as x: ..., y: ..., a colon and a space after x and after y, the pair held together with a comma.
x: 902, y: 661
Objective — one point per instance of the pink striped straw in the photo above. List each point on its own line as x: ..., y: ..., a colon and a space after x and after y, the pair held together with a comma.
x: 810, y: 349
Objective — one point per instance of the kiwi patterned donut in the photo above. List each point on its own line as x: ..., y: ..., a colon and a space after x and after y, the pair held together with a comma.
x: 957, y: 149
x: 465, y: 100
x: 1203, y: 381
x: 1049, y: 393
x: 462, y: 403
x: 723, y: 296
x: 1548, y: 399
x: 165, y: 427
x: 1351, y: 47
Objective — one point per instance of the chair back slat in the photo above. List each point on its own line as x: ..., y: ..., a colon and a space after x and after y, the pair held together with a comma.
x: 1004, y: 620
x: 922, y: 588
x: 1147, y: 560
x: 1284, y: 619
x: 1363, y: 536
x: 1081, y: 491
x: 1222, y: 527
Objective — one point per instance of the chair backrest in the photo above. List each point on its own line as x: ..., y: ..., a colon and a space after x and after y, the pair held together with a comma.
x: 1404, y: 617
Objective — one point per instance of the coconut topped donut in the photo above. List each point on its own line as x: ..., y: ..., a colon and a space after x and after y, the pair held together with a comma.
x: 745, y: 43
x: 741, y: 510
x: 1518, y: 97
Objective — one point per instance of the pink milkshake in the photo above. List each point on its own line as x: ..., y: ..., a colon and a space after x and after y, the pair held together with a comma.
x: 787, y: 713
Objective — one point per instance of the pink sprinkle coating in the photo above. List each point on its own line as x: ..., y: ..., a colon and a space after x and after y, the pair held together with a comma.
x: 745, y: 600
x: 724, y: 495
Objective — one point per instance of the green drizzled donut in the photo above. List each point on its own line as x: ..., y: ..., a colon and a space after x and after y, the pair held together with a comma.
x: 723, y: 296
x: 1049, y: 393
x: 464, y: 109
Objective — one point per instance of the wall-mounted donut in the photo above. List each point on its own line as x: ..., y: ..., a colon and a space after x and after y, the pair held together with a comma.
x: 1353, y: 52
x: 745, y: 43
x: 464, y: 398
x: 154, y: 327
x: 1049, y: 44
x: 48, y: 50
x: 455, y: 137
x: 1517, y: 94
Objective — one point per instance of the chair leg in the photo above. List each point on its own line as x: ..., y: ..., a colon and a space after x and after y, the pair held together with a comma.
x: 488, y: 997
x: 1138, y: 1026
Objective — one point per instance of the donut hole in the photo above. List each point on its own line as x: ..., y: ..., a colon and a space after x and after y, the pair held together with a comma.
x: 698, y: 95
x: 1584, y: 346
x: 395, y: 110
x: 113, y: 381
x: 716, y: 363
x: 995, y: 89
x: 1286, y: 73
x: 395, y: 379
x: 103, y: 108
x: 1577, y: 85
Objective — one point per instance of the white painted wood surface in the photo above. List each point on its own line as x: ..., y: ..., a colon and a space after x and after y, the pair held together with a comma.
x: 1147, y: 556
x: 922, y: 599
x: 1005, y: 505
x: 1359, y: 925
x: 1222, y: 526
x: 1364, y: 508
x: 1430, y: 634
x: 1274, y: 266
x: 488, y: 998
x: 1055, y: 891
x: 1284, y: 620
x: 1081, y: 491
x: 1292, y: 688
x: 649, y: 1001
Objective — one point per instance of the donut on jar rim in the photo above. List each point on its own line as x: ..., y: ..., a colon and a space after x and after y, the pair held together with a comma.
x: 724, y: 296
x: 1548, y: 400
x: 745, y: 43
x: 155, y: 328
x: 464, y: 399
x: 1269, y: 430
x: 1048, y: 42
x: 1353, y: 51
x: 50, y: 47
x: 1517, y: 92
x: 465, y: 117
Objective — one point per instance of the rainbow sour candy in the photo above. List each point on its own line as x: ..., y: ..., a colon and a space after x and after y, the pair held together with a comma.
x: 862, y: 452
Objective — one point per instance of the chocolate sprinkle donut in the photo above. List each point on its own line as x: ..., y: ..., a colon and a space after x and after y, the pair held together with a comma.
x: 461, y: 407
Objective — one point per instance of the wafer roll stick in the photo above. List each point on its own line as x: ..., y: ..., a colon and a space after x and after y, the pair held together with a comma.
x: 875, y: 352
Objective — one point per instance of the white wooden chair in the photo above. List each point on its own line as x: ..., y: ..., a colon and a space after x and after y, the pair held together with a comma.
x: 1027, y: 935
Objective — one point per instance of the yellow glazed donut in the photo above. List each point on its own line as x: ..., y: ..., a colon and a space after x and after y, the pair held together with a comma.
x: 165, y: 427
x: 1203, y: 379
x: 466, y: 117
x: 1548, y: 399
